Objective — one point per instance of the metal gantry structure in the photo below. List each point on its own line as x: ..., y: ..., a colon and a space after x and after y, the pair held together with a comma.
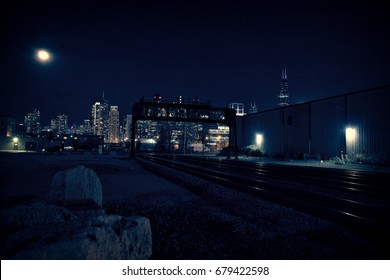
x: 182, y: 109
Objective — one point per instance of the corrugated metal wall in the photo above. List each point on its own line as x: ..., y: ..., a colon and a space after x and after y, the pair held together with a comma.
x: 319, y: 127
x: 369, y: 113
x: 327, y: 127
x: 296, y: 130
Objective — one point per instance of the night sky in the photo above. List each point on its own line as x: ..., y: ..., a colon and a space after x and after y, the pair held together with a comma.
x: 219, y: 50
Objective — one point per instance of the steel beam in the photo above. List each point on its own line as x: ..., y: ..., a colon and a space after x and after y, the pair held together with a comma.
x: 199, y: 111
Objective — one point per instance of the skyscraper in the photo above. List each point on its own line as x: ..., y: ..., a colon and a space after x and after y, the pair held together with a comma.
x: 97, y: 118
x: 53, y: 125
x: 87, y: 127
x: 253, y: 108
x: 32, y: 122
x: 100, y: 115
x: 105, y: 107
x: 283, y: 95
x: 62, y: 123
x: 113, y: 125
x: 239, y: 107
x: 127, y: 127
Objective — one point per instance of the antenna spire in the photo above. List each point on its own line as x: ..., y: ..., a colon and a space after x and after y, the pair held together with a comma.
x: 284, y: 74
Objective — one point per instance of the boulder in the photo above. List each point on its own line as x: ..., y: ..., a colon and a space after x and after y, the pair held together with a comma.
x: 81, y: 207
x: 108, y: 237
x: 40, y: 231
x: 72, y: 225
x: 77, y: 183
x: 37, y: 213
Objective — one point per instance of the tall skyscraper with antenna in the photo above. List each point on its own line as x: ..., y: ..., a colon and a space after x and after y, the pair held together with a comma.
x: 284, y: 94
x: 253, y: 108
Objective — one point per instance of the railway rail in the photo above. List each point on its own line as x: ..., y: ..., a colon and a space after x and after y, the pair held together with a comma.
x: 357, y: 199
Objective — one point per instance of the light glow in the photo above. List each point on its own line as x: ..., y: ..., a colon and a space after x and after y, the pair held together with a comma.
x: 350, y: 134
x: 43, y: 56
x: 16, y: 140
x: 259, y: 140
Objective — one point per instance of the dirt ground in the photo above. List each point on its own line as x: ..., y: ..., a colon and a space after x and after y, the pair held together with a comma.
x: 205, y: 221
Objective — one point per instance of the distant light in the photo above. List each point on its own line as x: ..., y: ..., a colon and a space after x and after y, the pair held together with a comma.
x: 157, y: 97
x: 259, y: 140
x: 43, y: 56
x: 148, y: 141
x: 350, y: 134
x: 180, y: 99
x: 15, y: 140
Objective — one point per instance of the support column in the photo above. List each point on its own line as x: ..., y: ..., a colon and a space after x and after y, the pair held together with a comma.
x: 132, y: 141
x: 235, y: 141
x: 230, y: 142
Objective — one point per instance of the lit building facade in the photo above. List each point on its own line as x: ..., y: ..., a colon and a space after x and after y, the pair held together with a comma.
x: 239, y: 107
x: 87, y: 127
x: 105, y: 107
x: 32, y: 122
x: 97, y: 119
x: 100, y: 118
x: 113, y: 125
x: 62, y: 124
x: 53, y: 125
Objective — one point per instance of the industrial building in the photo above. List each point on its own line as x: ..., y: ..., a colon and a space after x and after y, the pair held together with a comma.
x: 353, y: 125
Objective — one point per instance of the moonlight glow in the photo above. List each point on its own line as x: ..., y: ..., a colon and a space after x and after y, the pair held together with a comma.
x: 43, y: 56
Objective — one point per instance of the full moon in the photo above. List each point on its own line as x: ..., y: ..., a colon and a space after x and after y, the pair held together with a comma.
x: 43, y: 56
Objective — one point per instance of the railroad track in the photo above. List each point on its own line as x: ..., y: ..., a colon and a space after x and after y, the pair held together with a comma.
x: 355, y: 199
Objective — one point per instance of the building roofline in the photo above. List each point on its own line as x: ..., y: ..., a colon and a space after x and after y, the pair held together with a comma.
x: 326, y: 98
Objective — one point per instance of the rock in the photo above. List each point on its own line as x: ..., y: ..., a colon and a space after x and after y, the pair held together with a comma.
x: 77, y: 183
x: 107, y: 237
x: 104, y: 238
x: 35, y: 214
x: 81, y: 207
x: 73, y: 225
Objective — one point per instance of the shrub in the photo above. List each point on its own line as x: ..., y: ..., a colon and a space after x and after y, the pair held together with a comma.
x: 252, y: 151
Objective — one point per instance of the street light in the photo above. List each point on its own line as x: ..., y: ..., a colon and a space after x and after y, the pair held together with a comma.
x: 259, y: 140
x: 16, y: 142
x: 351, y: 136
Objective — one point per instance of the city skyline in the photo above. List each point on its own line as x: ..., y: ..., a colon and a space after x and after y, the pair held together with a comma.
x: 219, y: 51
x: 104, y: 121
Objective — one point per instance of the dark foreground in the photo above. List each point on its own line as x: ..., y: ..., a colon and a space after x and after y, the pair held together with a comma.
x: 205, y: 222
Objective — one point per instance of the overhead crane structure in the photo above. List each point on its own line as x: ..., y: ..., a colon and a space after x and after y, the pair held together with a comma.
x: 182, y: 109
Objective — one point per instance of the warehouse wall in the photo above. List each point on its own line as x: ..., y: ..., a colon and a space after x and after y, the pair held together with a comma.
x: 319, y: 127
x: 369, y: 113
